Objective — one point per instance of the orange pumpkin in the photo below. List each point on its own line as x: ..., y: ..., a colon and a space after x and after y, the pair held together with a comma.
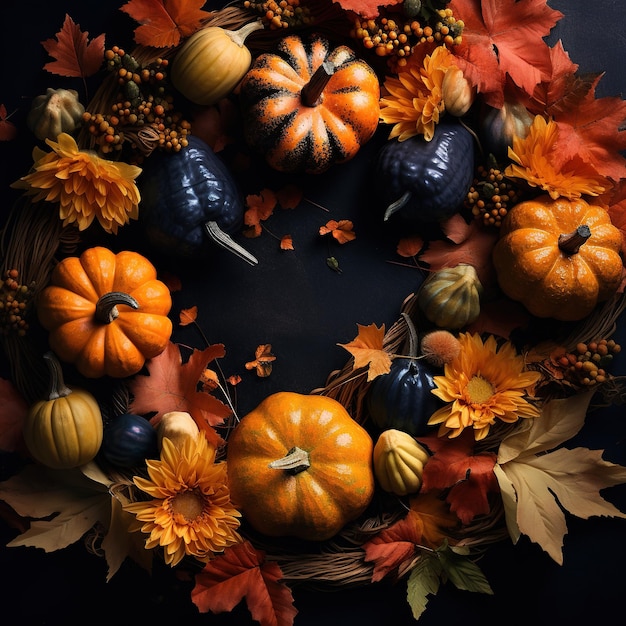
x: 307, y: 107
x: 106, y: 313
x: 559, y: 258
x: 299, y: 465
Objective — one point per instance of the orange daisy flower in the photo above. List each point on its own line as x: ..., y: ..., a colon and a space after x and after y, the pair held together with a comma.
x: 534, y: 160
x: 86, y: 186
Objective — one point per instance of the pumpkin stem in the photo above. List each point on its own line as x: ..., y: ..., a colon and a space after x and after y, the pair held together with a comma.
x: 294, y: 462
x: 57, y: 387
x: 239, y: 36
x: 224, y: 240
x: 571, y: 242
x: 312, y: 93
x: 411, y: 339
x: 397, y: 205
x: 106, y: 307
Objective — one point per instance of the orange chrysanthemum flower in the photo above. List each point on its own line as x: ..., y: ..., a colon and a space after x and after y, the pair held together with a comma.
x: 534, y: 160
x: 86, y: 186
x: 414, y: 100
x: 483, y: 384
x: 191, y: 512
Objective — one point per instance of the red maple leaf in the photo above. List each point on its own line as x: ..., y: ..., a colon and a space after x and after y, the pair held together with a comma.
x: 173, y: 386
x: 469, y: 477
x: 504, y: 38
x: 13, y: 410
x: 163, y: 23
x: 242, y: 572
x: 74, y: 55
x: 8, y: 130
x: 365, y: 8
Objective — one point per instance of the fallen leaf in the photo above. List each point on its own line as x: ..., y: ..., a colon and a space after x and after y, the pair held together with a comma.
x: 242, y: 572
x: 163, y: 23
x: 341, y: 230
x: 263, y: 359
x: 63, y: 505
x: 367, y: 350
x: 74, y: 55
x: 188, y: 316
x: 259, y: 207
x: 286, y: 242
x: 504, y: 38
x: 468, y: 478
x: 539, y: 480
x: 13, y: 410
x: 289, y: 197
x: 8, y: 130
x: 172, y: 386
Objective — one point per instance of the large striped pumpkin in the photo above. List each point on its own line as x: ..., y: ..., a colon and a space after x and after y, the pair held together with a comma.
x: 307, y: 107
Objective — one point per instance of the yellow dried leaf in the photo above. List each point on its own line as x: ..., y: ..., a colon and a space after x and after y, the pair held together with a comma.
x: 367, y: 350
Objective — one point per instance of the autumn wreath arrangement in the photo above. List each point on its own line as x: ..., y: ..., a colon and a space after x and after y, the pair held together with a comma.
x: 501, y: 171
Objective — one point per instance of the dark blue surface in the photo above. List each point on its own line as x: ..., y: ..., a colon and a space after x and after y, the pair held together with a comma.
x: 294, y: 302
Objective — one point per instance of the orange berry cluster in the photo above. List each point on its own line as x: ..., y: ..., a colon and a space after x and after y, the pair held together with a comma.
x: 142, y: 101
x: 587, y: 365
x: 14, y: 300
x: 282, y: 14
x: 491, y: 195
x: 394, y: 36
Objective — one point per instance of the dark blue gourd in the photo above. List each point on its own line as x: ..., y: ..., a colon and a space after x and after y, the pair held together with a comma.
x: 402, y: 398
x: 423, y: 181
x: 129, y: 440
x: 188, y: 200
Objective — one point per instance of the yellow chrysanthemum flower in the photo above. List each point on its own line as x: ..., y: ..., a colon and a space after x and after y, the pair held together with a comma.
x: 414, y: 100
x: 533, y: 161
x: 191, y: 512
x: 86, y: 186
x: 483, y: 384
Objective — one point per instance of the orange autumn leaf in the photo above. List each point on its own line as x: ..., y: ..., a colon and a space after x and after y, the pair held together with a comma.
x: 259, y: 207
x: 341, y: 230
x: 164, y: 23
x: 504, y: 38
x: 365, y: 8
x: 467, y: 477
x: 475, y: 249
x: 172, y: 386
x: 286, y: 243
x: 435, y: 516
x: 75, y: 55
x: 242, y: 572
x: 8, y: 130
x: 263, y: 359
x: 209, y: 380
x: 367, y: 350
x: 410, y: 246
x: 13, y: 410
x: 289, y: 197
x: 233, y: 379
x: 188, y: 316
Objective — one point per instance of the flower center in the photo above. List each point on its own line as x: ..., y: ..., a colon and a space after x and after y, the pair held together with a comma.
x: 189, y: 504
x: 479, y: 390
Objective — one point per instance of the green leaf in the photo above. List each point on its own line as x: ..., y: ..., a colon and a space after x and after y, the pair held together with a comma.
x: 462, y: 572
x: 423, y: 581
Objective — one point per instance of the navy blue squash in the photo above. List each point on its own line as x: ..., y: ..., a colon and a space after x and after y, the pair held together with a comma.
x: 129, y: 440
x: 402, y: 399
x: 188, y: 200
x: 423, y: 181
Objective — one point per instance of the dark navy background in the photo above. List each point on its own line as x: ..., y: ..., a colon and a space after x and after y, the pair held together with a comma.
x: 293, y: 301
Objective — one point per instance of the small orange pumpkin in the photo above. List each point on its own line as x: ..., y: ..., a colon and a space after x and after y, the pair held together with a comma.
x: 106, y: 313
x: 299, y: 465
x: 307, y: 107
x: 559, y: 258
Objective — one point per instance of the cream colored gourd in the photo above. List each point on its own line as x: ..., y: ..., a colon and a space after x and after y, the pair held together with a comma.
x: 450, y: 297
x: 55, y: 112
x: 399, y: 462
x: 210, y: 64
x: 177, y: 426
